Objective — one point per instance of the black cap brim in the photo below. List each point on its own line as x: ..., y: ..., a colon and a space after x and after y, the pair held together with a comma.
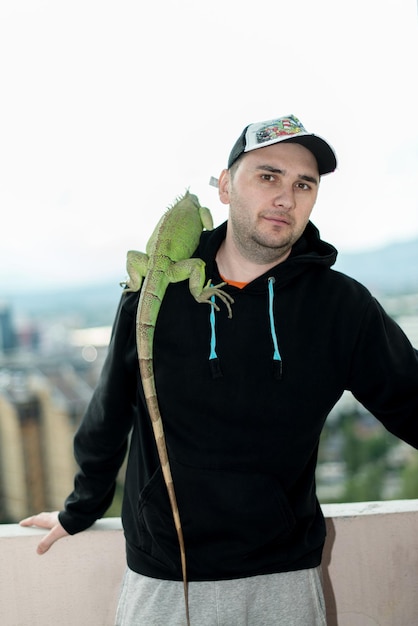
x: 322, y: 151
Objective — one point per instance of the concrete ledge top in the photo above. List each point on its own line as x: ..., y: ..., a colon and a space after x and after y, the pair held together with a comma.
x: 14, y: 530
x: 356, y: 509
x: 349, y: 509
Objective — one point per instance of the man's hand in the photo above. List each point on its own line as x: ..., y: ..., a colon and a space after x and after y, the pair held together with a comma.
x: 48, y: 521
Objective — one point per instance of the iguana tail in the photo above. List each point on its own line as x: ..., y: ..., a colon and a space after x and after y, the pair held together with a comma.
x: 145, y: 341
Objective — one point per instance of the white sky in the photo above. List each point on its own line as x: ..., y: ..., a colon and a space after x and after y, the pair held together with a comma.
x: 109, y: 110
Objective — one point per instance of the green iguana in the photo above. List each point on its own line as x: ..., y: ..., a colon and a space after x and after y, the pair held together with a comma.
x: 167, y: 260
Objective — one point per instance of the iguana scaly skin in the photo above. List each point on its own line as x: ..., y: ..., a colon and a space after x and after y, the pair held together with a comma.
x: 167, y: 260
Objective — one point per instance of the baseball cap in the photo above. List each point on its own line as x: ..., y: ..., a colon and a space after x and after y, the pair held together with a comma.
x: 289, y: 128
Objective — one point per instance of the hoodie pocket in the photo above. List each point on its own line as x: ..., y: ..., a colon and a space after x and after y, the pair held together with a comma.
x: 232, y: 521
x: 157, y: 531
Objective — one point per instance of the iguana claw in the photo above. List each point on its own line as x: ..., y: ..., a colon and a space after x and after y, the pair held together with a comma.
x: 216, y: 290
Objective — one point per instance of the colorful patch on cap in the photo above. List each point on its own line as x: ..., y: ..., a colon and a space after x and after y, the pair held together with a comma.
x: 283, y: 126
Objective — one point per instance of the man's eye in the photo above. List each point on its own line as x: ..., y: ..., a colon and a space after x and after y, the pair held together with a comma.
x: 267, y: 177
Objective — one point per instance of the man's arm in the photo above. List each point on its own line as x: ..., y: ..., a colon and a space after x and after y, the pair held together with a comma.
x: 384, y: 374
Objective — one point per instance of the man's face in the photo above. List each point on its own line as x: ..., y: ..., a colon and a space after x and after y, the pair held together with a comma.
x: 271, y: 195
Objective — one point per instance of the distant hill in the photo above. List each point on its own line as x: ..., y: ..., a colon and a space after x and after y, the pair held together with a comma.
x: 392, y: 269
x: 389, y: 270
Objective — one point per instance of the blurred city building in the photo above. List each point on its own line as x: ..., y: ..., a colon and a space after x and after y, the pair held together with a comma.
x: 45, y: 386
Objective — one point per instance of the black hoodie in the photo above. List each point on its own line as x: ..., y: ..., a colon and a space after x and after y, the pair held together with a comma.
x: 243, y: 403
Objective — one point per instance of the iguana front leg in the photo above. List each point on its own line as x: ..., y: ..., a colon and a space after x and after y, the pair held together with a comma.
x: 137, y: 265
x: 194, y: 270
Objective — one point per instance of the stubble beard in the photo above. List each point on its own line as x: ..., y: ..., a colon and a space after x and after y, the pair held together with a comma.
x: 260, y: 247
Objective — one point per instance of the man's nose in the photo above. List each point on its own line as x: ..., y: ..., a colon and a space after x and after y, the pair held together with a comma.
x: 285, y: 198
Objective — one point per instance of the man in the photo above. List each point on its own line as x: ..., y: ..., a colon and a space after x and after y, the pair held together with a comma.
x: 242, y: 424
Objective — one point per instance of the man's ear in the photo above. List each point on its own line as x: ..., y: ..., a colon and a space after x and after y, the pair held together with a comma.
x: 223, y: 186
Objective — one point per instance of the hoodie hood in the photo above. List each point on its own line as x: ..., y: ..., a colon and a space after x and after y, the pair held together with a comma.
x: 308, y: 250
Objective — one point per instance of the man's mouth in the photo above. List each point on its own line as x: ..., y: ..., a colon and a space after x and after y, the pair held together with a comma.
x: 280, y: 220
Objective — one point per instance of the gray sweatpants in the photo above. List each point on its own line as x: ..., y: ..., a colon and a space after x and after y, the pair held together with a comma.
x: 288, y: 599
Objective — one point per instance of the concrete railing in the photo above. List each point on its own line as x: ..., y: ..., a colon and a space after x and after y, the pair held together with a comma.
x: 370, y: 570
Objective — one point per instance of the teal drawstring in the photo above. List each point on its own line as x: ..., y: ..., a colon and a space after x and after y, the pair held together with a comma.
x: 277, y: 359
x: 213, y: 357
x: 213, y: 354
